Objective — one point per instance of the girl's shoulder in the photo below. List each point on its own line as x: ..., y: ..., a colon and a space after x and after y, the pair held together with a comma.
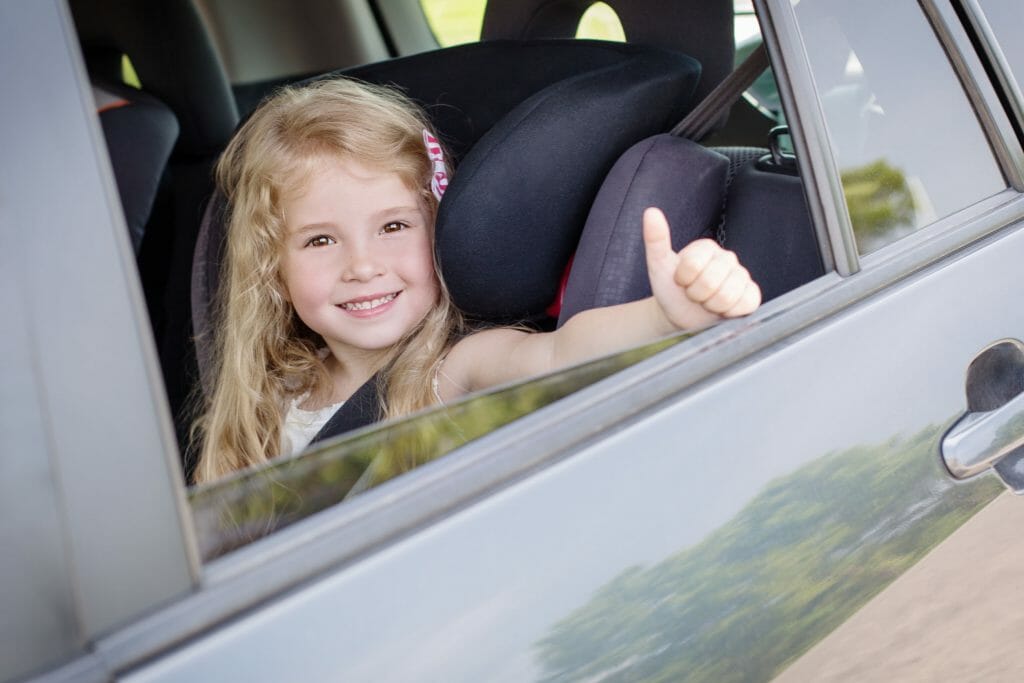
x: 480, y: 360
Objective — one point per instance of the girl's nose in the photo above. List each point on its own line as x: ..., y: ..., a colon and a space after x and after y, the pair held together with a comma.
x: 362, y: 263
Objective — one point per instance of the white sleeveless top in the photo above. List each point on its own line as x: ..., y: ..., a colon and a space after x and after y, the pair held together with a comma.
x: 300, y: 426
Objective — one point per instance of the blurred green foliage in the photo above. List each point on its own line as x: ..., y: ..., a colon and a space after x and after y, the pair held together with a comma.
x: 880, y: 203
x: 797, y: 561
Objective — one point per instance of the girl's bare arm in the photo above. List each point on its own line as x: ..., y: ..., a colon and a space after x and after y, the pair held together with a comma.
x: 693, y: 288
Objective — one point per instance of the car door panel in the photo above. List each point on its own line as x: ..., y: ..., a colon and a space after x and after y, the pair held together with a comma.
x: 717, y: 538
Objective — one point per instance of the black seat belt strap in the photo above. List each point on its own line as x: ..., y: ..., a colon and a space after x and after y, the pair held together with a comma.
x: 701, y: 120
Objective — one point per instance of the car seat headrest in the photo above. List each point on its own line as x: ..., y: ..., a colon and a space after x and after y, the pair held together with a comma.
x: 703, y: 29
x: 456, y: 85
x: 164, y: 39
x: 515, y: 209
x: 140, y: 132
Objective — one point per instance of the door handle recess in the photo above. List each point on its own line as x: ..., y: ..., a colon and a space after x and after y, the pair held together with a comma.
x: 991, y: 434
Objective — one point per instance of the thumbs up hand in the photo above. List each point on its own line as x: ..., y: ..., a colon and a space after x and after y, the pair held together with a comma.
x: 698, y: 285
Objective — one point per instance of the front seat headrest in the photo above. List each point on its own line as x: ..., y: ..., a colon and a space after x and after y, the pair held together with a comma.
x: 703, y: 29
x: 167, y: 44
x: 140, y: 132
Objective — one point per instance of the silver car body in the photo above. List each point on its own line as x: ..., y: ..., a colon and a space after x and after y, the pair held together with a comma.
x: 765, y: 499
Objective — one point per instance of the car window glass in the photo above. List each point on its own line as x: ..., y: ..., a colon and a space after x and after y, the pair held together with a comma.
x: 238, y: 510
x: 600, y: 22
x: 454, y: 21
x: 902, y: 130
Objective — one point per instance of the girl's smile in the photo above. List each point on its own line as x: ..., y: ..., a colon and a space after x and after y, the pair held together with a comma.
x: 370, y: 305
x: 357, y: 263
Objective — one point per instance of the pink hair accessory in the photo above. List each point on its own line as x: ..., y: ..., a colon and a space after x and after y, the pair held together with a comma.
x: 438, y: 181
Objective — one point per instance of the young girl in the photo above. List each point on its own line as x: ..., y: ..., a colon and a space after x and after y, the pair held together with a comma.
x: 330, y: 277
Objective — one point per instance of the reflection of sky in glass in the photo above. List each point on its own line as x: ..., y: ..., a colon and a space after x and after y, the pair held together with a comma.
x: 903, y: 132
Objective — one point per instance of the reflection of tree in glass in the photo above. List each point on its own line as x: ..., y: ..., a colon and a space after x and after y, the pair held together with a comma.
x: 880, y: 202
x: 759, y: 591
x: 253, y: 504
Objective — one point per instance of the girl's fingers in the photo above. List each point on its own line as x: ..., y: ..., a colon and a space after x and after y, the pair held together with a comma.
x: 693, y: 259
x: 748, y: 302
x: 715, y: 264
x: 729, y: 292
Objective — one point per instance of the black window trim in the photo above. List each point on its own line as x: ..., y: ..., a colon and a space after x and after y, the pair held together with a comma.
x: 974, y: 78
x: 997, y: 61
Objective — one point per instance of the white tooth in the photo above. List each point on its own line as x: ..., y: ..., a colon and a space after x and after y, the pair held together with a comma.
x: 367, y: 305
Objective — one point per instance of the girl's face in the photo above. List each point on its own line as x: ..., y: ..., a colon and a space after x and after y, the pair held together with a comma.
x: 357, y: 260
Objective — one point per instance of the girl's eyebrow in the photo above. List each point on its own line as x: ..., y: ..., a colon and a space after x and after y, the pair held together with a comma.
x: 313, y: 227
x: 391, y: 210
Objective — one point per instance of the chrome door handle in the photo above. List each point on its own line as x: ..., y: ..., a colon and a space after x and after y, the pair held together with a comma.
x: 991, y: 433
x: 980, y: 440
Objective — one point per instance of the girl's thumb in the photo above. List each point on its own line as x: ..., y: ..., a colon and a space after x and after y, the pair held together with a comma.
x: 657, y: 240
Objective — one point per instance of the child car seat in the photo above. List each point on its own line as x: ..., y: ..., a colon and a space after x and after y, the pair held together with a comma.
x: 509, y: 222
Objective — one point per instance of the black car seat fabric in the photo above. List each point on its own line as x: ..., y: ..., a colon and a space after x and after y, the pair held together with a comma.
x: 140, y: 132
x: 703, y: 29
x: 734, y: 195
x: 174, y: 58
x: 768, y: 225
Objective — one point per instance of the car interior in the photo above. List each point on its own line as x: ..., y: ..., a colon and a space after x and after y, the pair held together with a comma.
x: 559, y: 144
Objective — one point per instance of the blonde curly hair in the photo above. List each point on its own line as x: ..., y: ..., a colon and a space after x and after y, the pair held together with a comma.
x: 264, y: 355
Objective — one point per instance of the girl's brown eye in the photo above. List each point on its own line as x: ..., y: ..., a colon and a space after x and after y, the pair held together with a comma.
x: 319, y: 241
x: 394, y: 226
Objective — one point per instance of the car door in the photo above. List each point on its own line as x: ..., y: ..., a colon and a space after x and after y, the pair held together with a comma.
x: 717, y: 510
